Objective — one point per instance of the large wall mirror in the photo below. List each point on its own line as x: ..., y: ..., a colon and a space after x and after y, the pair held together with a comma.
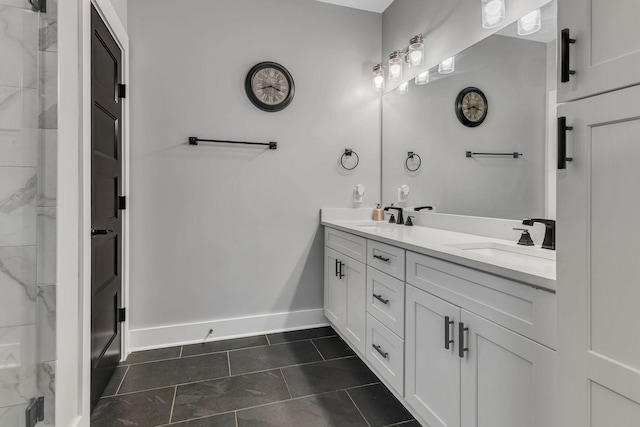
x: 517, y: 74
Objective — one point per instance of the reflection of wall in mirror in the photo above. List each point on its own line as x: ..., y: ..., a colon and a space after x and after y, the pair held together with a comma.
x: 512, y: 73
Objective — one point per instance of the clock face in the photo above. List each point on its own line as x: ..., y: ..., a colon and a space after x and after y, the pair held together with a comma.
x: 471, y: 107
x: 269, y: 86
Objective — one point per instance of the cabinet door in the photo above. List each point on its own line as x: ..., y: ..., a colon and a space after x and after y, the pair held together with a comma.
x: 506, y: 379
x: 355, y: 320
x: 606, y: 54
x: 432, y: 373
x: 598, y: 264
x: 335, y: 290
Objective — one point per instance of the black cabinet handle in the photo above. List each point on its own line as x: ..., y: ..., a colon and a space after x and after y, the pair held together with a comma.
x: 382, y: 300
x: 562, y: 143
x: 461, y: 347
x: 566, y: 72
x: 95, y: 232
x: 381, y: 258
x: 447, y: 327
x: 379, y: 350
x: 341, y: 274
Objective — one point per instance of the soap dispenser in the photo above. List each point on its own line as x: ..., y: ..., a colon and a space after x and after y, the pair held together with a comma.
x: 378, y: 213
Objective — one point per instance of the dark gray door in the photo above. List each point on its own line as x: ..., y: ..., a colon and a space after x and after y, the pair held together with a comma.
x: 106, y: 184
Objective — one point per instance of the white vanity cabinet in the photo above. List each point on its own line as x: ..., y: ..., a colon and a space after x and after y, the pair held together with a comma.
x: 606, y: 52
x: 462, y: 369
x: 345, y: 286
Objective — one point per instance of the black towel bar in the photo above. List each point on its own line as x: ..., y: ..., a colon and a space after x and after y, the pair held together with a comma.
x: 193, y: 140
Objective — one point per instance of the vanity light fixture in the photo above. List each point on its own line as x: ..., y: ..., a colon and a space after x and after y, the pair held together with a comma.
x: 395, y: 66
x: 422, y: 78
x: 447, y: 66
x: 403, y: 88
x: 530, y: 23
x: 415, y: 53
x: 378, y: 78
x: 493, y: 13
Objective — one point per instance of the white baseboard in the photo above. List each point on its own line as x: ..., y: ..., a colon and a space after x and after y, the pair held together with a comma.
x: 193, y: 333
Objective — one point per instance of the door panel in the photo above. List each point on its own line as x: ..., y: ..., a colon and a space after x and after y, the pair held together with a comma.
x: 335, y: 290
x: 432, y: 373
x: 355, y: 322
x: 106, y: 182
x: 598, y: 347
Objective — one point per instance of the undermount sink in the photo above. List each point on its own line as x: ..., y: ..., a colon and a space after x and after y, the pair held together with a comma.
x: 507, y: 253
x: 373, y: 225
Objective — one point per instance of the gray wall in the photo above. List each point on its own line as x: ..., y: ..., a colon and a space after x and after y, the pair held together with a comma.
x: 222, y: 232
x: 512, y: 74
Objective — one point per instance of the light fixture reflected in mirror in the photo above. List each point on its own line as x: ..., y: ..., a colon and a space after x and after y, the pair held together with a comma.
x: 493, y: 13
x: 415, y: 53
x: 395, y: 66
x: 422, y: 78
x: 530, y: 23
x: 447, y: 66
x: 378, y: 78
x: 403, y: 88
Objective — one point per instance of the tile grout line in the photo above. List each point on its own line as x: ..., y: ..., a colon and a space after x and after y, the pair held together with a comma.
x: 173, y: 403
x: 316, y: 347
x: 357, y: 408
x: 229, y: 362
x: 286, y: 384
x: 122, y: 380
x: 267, y: 337
x: 238, y: 375
x: 235, y: 414
x: 181, y: 350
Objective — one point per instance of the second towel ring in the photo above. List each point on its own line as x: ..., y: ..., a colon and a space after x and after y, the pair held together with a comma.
x: 411, y: 155
x: 348, y: 153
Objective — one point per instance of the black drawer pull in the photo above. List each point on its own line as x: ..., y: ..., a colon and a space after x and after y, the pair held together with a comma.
x: 566, y: 72
x: 562, y: 143
x: 447, y: 328
x: 382, y: 300
x: 95, y: 232
x: 378, y: 349
x: 381, y: 258
x: 341, y: 274
x: 337, y: 267
x: 461, y: 331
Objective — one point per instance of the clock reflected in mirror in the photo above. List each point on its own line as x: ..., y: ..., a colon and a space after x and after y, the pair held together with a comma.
x: 269, y: 86
x: 471, y: 106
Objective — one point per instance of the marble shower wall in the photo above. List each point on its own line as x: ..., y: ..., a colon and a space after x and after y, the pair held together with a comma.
x: 28, y: 208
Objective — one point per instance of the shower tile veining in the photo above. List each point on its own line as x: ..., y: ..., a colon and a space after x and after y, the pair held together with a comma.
x: 298, y: 378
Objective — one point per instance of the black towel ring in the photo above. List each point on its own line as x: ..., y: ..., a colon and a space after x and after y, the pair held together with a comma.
x: 349, y: 152
x: 411, y: 155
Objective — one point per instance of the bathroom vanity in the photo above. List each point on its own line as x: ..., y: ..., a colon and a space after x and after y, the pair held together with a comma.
x: 460, y: 327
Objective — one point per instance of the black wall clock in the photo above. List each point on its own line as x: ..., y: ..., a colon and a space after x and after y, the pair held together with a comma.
x: 471, y: 107
x: 269, y: 86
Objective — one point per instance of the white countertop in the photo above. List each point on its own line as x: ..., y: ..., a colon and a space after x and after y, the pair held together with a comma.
x: 531, y: 265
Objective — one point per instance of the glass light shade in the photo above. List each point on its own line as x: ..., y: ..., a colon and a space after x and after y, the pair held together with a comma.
x: 447, y: 66
x: 493, y: 13
x: 415, y: 55
x: 403, y: 88
x: 395, y: 67
x: 422, y: 78
x: 378, y: 78
x: 530, y: 23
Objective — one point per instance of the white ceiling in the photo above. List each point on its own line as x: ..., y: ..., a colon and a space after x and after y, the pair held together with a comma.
x: 370, y: 5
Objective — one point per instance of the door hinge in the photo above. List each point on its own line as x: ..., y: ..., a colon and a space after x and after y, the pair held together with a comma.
x: 122, y: 314
x: 122, y: 91
x: 122, y: 202
x: 35, y: 411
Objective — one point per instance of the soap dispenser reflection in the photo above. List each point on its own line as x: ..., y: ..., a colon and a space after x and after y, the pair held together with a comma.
x: 358, y: 193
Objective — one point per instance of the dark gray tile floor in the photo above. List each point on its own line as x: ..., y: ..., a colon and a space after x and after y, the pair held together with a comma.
x: 303, y: 378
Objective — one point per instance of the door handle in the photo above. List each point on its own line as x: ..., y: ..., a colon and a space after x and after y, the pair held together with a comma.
x: 341, y: 274
x: 381, y: 258
x: 95, y: 232
x: 565, y: 69
x: 562, y: 143
x: 461, y: 347
x: 337, y: 267
x: 382, y: 300
x: 447, y: 328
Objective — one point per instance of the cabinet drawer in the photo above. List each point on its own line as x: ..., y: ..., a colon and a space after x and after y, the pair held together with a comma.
x: 385, y: 300
x: 386, y: 258
x: 346, y: 243
x: 385, y: 352
x: 516, y: 306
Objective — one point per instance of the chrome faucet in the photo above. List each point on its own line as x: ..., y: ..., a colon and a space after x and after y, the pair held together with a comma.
x: 400, y: 220
x: 550, y: 232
